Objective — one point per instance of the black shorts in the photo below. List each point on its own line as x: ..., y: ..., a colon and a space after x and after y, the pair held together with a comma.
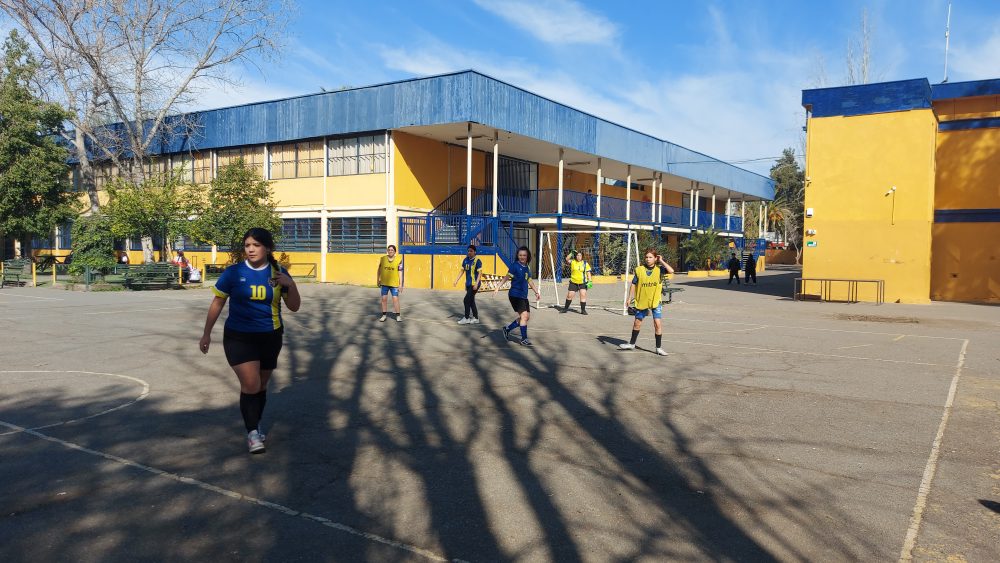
x: 520, y: 304
x: 243, y: 347
x: 577, y: 286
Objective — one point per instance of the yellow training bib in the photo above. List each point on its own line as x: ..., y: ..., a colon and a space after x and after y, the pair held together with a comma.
x: 577, y: 268
x: 649, y: 289
x: 389, y: 271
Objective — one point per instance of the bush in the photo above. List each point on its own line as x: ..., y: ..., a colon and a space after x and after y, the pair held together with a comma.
x: 705, y: 249
x: 93, y: 244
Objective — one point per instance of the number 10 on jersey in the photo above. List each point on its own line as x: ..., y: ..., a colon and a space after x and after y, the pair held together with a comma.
x: 258, y: 293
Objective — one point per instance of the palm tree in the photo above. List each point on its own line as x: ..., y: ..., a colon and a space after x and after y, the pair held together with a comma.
x: 704, y: 248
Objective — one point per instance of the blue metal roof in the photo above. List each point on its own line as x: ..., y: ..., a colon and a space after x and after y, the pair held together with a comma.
x: 864, y: 99
x: 950, y: 90
x: 459, y: 97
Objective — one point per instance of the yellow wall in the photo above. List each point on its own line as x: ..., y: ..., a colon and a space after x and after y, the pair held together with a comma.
x: 966, y: 262
x: 851, y: 163
x: 965, y: 259
x: 360, y: 190
x: 355, y: 269
x: 968, y: 108
x: 421, y: 171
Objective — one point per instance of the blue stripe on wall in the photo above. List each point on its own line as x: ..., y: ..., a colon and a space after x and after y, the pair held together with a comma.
x: 866, y: 99
x: 965, y: 89
x: 967, y: 215
x: 963, y: 124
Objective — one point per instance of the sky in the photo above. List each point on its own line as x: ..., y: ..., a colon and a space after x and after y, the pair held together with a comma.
x: 724, y: 78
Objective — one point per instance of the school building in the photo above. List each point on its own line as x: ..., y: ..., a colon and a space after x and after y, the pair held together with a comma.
x: 903, y: 185
x: 434, y: 164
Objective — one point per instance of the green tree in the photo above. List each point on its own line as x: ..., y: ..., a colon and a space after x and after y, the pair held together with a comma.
x: 93, y: 244
x: 159, y: 207
x: 787, y: 209
x: 705, y: 249
x: 238, y: 199
x: 35, y: 192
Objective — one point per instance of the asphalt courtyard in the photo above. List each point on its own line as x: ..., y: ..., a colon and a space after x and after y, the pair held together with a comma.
x: 775, y: 430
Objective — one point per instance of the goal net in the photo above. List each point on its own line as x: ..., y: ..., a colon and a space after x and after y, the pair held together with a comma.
x: 612, y: 256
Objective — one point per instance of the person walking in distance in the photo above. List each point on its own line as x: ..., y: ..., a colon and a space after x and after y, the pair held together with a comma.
x: 390, y: 281
x: 471, y: 268
x: 750, y: 268
x: 734, y: 270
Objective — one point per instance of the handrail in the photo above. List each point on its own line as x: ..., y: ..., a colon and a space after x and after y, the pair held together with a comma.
x: 826, y: 288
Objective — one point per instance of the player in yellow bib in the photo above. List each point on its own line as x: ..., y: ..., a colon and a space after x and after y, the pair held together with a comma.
x: 647, y: 290
x: 579, y: 277
x: 390, y: 280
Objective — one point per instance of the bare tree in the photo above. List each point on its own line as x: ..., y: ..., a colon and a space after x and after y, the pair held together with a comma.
x: 859, y: 54
x: 124, y: 67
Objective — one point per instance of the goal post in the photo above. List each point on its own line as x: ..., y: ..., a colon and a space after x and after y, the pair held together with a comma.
x: 612, y: 255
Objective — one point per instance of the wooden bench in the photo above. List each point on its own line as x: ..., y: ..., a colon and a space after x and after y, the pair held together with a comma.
x: 17, y: 272
x: 149, y: 276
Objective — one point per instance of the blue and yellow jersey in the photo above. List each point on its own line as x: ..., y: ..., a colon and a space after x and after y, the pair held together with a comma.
x: 389, y: 270
x: 577, y: 269
x: 254, y: 305
x: 472, y: 268
x: 519, y: 276
x: 648, y: 287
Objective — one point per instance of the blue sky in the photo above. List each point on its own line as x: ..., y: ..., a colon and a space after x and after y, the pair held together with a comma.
x: 724, y: 78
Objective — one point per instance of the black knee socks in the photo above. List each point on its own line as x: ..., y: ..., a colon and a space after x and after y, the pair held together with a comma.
x: 262, y: 398
x: 635, y: 336
x: 250, y: 408
x: 583, y: 306
x: 568, y: 302
x: 659, y: 341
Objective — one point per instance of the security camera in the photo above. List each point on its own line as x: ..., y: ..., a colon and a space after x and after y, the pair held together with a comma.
x: 892, y: 189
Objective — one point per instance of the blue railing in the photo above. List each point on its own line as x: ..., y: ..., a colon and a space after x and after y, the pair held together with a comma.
x: 642, y: 211
x: 482, y: 203
x: 674, y: 216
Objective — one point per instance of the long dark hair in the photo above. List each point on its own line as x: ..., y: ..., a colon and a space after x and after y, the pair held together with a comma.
x: 524, y: 248
x: 266, y: 239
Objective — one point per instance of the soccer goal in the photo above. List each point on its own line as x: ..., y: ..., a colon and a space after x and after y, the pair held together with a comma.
x: 612, y: 255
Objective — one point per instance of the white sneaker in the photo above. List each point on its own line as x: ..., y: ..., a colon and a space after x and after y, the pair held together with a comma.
x: 254, y: 442
x: 626, y: 346
x: 464, y: 321
x: 399, y: 318
x: 473, y: 321
x: 382, y: 318
x: 662, y: 352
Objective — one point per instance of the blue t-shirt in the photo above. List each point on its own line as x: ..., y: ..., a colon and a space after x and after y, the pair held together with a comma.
x: 472, y: 267
x: 519, y: 276
x: 254, y: 305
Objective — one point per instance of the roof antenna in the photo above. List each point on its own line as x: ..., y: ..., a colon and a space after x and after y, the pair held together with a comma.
x: 947, y: 34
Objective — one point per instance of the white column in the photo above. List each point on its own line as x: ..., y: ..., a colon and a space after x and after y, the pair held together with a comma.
x: 267, y: 162
x: 697, y: 204
x: 496, y: 172
x: 743, y: 214
x: 764, y: 214
x: 600, y: 181
x: 659, y: 208
x: 729, y: 205
x: 713, y: 207
x: 760, y: 219
x: 691, y: 207
x: 324, y: 243
x: 652, y: 212
x: 628, y: 194
x: 561, y: 163
x: 468, y: 172
x: 391, y: 210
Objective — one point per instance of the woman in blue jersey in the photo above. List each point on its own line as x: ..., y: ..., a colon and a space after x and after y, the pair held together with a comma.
x: 253, y: 331
x: 471, y: 268
x: 520, y: 280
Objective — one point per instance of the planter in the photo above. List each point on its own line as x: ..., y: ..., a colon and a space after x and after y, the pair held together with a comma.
x: 698, y: 274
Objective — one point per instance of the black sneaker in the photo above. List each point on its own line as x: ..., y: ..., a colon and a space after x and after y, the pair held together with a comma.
x: 506, y: 332
x: 583, y: 312
x: 526, y: 342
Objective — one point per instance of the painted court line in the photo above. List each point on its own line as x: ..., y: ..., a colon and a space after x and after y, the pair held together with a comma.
x: 230, y: 493
x: 143, y: 395
x: 906, y: 554
x: 820, y: 329
x: 32, y: 297
x: 817, y: 354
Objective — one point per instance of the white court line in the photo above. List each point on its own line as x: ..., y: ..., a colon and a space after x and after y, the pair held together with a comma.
x: 32, y: 297
x: 853, y: 346
x: 818, y: 329
x: 231, y: 494
x: 819, y: 354
x: 143, y: 395
x: 906, y: 554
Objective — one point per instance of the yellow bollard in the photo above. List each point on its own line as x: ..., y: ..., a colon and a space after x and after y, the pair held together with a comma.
x: 34, y: 276
x: 53, y: 275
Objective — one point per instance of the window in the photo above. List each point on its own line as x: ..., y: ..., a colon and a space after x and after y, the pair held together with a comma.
x: 300, y: 235
x: 357, y: 155
x: 104, y: 173
x: 39, y: 243
x: 252, y: 156
x: 155, y: 166
x: 201, y: 167
x: 135, y: 243
x: 66, y: 236
x: 362, y: 235
x: 189, y: 244
x: 297, y: 160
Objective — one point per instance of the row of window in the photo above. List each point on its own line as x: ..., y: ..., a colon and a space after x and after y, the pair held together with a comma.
x: 61, y: 235
x: 347, y: 157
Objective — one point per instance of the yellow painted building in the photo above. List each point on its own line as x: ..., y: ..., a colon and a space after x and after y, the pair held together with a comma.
x: 901, y: 187
x: 433, y: 164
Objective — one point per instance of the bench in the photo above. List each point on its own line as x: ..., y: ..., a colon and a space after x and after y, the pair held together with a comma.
x: 16, y: 272
x: 149, y: 276
x: 668, y: 291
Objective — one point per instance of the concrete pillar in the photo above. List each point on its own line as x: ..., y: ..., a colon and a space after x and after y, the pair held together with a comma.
x: 561, y: 164
x: 628, y: 194
x: 600, y: 182
x: 729, y: 205
x: 691, y: 222
x: 713, y: 207
x: 496, y: 170
x: 468, y: 171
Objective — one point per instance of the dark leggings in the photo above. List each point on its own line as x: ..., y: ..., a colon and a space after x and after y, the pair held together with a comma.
x: 470, y: 302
